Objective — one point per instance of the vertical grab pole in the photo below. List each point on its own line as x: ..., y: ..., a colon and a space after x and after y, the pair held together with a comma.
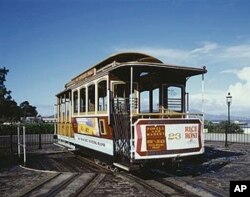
x: 202, y: 96
x: 187, y: 104
x: 131, y: 112
x: 24, y: 146
x: 202, y: 105
x: 109, y: 103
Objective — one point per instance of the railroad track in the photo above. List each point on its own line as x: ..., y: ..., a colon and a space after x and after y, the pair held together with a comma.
x: 175, y: 187
x: 65, y: 181
x: 74, y: 175
x: 68, y: 175
x: 63, y: 184
x: 65, y: 162
x: 168, y: 184
x: 161, y: 187
x: 86, y: 184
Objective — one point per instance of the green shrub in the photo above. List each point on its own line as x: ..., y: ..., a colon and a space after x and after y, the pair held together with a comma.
x: 222, y: 126
x: 44, y: 128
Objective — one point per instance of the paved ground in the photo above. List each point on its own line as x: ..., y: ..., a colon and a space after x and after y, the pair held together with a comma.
x: 233, y: 163
x: 16, y: 180
x: 217, y: 169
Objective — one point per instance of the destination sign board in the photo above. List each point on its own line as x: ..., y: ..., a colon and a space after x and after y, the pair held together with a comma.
x: 155, y: 138
x: 159, y: 138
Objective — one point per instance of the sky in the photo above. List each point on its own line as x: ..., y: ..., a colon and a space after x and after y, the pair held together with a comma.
x: 45, y: 43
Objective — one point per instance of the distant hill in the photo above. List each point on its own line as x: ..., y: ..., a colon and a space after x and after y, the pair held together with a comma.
x: 221, y: 117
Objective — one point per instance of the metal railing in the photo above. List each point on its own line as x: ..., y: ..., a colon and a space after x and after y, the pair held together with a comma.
x: 35, y: 138
x: 233, y: 138
x: 242, y: 136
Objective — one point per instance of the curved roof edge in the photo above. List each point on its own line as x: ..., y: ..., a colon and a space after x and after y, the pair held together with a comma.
x: 123, y: 57
x: 128, y: 57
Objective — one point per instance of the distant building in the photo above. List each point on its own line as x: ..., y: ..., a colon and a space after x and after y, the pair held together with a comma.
x: 49, y: 119
x: 31, y: 119
x: 38, y: 119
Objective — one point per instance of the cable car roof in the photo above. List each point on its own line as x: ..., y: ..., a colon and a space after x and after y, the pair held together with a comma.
x: 122, y: 58
x: 139, y: 61
x: 128, y: 57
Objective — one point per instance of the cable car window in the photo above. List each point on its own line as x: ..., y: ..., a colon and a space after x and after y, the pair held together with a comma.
x: 102, y: 96
x: 156, y: 100
x: 144, y: 101
x: 122, y: 95
x: 83, y: 100
x: 75, y: 96
x: 91, y: 98
x: 172, y: 98
x: 149, y: 103
x: 102, y: 126
x: 119, y: 91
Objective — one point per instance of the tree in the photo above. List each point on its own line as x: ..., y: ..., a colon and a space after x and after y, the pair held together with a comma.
x: 4, y: 94
x: 27, y: 110
x: 9, y: 110
x: 222, y: 126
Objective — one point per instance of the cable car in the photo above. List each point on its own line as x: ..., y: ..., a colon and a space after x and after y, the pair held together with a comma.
x: 131, y: 107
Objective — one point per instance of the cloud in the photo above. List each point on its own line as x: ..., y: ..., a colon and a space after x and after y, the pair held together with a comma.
x: 208, y: 53
x: 194, y: 56
x: 229, y: 71
x: 241, y: 89
x: 205, y: 49
x: 214, y: 101
x: 244, y: 74
x: 237, y: 51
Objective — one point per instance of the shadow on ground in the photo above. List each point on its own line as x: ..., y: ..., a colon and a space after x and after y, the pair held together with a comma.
x: 210, y: 162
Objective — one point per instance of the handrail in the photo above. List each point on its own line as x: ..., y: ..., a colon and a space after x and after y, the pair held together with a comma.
x: 170, y: 114
x: 123, y: 103
x: 120, y: 104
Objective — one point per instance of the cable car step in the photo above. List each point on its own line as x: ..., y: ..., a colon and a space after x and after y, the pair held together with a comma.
x: 127, y: 167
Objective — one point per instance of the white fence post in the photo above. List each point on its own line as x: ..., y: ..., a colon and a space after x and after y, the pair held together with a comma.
x: 23, y: 144
x: 18, y: 141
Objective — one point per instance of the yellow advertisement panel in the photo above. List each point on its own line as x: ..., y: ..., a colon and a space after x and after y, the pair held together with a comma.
x: 88, y: 126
